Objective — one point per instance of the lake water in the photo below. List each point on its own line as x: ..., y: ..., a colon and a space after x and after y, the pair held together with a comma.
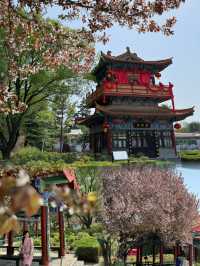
x: 191, y: 175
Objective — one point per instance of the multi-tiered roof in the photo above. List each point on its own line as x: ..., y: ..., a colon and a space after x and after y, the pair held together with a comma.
x: 127, y: 75
x: 131, y: 60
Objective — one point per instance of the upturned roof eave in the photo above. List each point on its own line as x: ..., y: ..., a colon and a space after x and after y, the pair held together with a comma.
x: 106, y: 59
x: 176, y: 115
x: 158, y: 112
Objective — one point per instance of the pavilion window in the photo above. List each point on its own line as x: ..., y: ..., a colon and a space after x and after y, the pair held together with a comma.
x: 144, y: 142
x: 119, y: 140
x: 134, y: 142
x: 160, y: 139
x: 165, y: 139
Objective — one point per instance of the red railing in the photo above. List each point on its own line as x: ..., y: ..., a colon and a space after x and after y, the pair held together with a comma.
x: 112, y: 89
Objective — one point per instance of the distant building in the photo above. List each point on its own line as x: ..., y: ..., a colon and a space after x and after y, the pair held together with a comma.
x: 187, y: 141
x: 73, y: 140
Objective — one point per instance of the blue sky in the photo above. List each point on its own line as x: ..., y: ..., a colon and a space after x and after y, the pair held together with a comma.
x: 190, y: 172
x: 184, y: 47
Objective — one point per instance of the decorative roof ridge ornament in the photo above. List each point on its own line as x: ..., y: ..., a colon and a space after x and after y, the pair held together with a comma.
x: 128, y: 50
x: 129, y: 60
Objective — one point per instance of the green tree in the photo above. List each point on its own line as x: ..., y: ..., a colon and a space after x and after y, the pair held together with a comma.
x: 88, y: 178
x: 40, y: 130
x: 34, y: 81
x: 64, y: 110
x: 32, y: 91
x: 190, y: 127
x: 193, y: 127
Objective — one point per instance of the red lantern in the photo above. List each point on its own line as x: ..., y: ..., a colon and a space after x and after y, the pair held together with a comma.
x: 157, y: 75
x: 109, y: 75
x: 177, y: 126
x: 105, y: 127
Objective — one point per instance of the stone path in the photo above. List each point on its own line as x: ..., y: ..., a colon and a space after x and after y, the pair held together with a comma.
x: 12, y: 263
x: 68, y: 260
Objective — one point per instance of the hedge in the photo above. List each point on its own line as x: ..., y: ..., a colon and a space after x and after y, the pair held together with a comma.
x: 27, y: 154
x: 87, y: 249
x: 191, y: 155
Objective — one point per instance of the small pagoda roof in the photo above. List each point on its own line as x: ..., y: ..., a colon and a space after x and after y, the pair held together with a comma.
x: 132, y: 60
x: 147, y: 112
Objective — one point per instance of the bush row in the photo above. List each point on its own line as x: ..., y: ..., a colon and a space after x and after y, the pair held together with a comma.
x: 193, y: 155
x: 28, y: 154
x: 85, y: 243
x: 87, y: 248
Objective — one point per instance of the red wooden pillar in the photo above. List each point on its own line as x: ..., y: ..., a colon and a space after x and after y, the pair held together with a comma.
x: 10, y: 250
x: 195, y: 250
x: 141, y: 250
x: 194, y: 254
x: 61, y: 233
x: 175, y: 253
x: 45, y: 253
x: 138, y: 256
x: 173, y: 138
x: 109, y: 140
x: 154, y: 254
x: 36, y: 228
x: 190, y: 254
x: 172, y: 96
x: 161, y: 254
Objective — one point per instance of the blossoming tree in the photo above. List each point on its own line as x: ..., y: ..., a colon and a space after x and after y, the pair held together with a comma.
x: 148, y: 201
x: 36, y: 59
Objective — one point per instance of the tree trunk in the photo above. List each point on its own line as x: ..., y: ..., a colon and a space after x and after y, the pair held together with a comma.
x: 6, y: 153
x: 61, y: 129
x: 7, y: 145
x: 106, y: 251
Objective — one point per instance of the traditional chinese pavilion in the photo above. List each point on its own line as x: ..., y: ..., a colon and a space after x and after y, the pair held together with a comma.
x: 129, y: 111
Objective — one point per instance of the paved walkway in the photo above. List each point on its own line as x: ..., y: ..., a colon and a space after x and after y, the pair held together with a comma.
x: 68, y: 260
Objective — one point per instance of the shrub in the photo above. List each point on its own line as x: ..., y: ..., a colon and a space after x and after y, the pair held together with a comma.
x: 87, y: 249
x: 71, y: 239
x: 86, y: 158
x: 95, y: 228
x: 193, y: 155
x: 28, y: 154
x: 55, y: 239
x: 103, y: 157
x: 37, y: 241
x: 82, y: 235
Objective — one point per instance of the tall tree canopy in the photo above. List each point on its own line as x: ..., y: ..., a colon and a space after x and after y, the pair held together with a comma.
x: 29, y: 46
x: 99, y: 15
x: 192, y: 127
x: 26, y: 31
